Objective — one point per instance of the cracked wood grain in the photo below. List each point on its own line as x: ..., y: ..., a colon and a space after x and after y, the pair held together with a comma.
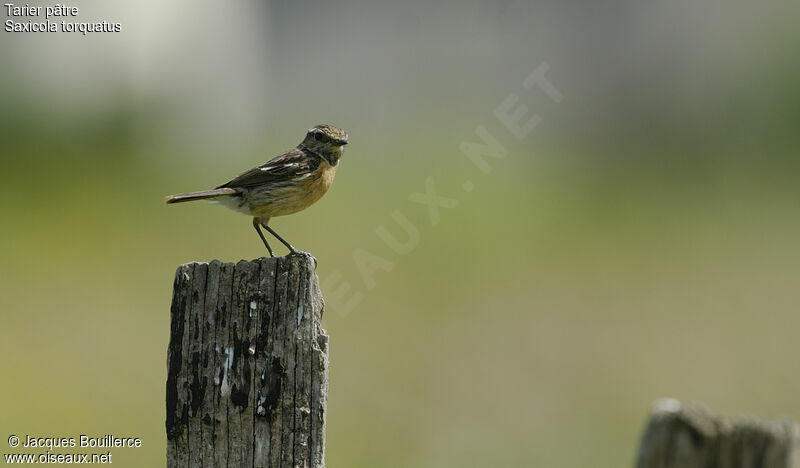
x: 247, y: 379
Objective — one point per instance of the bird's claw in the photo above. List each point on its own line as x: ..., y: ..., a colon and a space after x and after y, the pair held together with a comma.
x: 304, y: 254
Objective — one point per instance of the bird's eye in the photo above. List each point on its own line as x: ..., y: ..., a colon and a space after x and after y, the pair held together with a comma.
x: 321, y: 137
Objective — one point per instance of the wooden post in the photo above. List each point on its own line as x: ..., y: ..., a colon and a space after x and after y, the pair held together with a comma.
x: 247, y: 380
x: 687, y: 435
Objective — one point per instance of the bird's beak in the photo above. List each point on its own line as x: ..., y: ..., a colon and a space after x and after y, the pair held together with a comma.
x: 341, y: 142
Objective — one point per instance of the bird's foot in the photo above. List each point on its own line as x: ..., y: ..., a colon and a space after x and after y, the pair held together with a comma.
x: 301, y: 253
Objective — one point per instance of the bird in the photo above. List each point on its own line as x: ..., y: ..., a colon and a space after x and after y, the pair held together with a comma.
x: 286, y: 184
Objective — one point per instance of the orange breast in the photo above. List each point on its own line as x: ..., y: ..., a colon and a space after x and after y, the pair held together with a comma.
x: 298, y: 196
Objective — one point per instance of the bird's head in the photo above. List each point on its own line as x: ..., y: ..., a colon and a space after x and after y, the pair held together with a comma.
x: 326, y: 141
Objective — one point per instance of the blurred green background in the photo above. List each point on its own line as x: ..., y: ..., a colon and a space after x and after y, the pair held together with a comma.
x: 641, y: 242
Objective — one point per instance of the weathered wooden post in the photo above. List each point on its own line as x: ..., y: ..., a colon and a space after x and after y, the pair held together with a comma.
x: 247, y: 379
x: 687, y: 435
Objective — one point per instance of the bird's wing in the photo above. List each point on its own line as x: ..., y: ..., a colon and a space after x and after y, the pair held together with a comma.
x: 291, y: 165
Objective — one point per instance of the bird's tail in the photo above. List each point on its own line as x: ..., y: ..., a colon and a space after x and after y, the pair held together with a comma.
x: 184, y: 197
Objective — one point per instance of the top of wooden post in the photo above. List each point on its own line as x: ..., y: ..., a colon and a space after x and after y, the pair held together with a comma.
x: 687, y: 435
x: 247, y: 363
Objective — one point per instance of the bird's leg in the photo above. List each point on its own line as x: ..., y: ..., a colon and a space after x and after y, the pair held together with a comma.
x: 288, y: 245
x: 261, y: 235
x: 283, y: 241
